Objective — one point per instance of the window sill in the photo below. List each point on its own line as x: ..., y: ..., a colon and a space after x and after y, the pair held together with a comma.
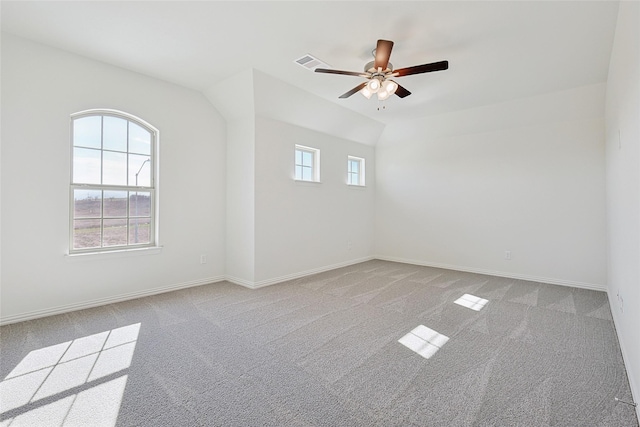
x: 356, y: 186
x: 304, y: 181
x: 86, y: 256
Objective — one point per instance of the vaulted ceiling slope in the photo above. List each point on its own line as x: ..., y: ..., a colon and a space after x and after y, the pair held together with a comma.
x: 497, y: 51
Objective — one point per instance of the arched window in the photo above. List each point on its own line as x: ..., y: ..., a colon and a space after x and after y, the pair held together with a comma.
x: 113, y: 171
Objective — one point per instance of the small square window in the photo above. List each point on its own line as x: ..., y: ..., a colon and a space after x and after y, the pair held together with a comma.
x: 307, y: 164
x: 355, y: 171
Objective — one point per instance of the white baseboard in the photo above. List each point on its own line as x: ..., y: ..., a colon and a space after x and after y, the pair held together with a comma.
x: 273, y: 281
x: 635, y: 390
x: 104, y: 301
x: 592, y: 286
x: 239, y: 281
x: 154, y: 291
x: 259, y: 284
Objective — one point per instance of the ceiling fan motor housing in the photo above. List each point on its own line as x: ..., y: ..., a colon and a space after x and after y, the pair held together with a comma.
x: 370, y: 68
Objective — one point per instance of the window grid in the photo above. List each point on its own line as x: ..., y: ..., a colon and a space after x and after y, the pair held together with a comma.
x: 108, y: 213
x: 355, y: 171
x: 306, y: 164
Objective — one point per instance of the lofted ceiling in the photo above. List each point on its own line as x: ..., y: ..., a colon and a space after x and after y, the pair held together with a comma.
x: 497, y: 51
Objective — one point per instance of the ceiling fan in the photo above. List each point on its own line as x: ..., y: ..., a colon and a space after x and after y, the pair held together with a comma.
x: 380, y: 71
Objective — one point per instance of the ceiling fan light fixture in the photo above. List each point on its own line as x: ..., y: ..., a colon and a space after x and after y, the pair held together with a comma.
x: 383, y: 94
x: 373, y: 85
x: 390, y: 86
x: 379, y: 73
x: 366, y: 92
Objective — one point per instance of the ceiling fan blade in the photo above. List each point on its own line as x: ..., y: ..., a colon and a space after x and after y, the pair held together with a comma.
x: 354, y: 90
x: 402, y: 92
x: 344, y: 73
x: 383, y: 52
x: 419, y: 69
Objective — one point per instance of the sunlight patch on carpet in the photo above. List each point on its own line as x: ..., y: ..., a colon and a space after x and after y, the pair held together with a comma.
x: 67, y: 383
x: 424, y: 341
x: 471, y: 301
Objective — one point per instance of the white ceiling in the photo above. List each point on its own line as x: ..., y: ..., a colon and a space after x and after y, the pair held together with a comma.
x: 497, y: 51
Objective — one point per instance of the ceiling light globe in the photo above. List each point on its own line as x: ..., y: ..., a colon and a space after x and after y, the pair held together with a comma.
x: 383, y: 94
x: 390, y: 86
x: 373, y: 85
x: 366, y: 92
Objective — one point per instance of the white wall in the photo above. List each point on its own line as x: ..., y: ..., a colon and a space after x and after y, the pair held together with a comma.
x: 41, y: 87
x: 240, y: 203
x: 623, y: 186
x: 526, y: 176
x: 234, y: 98
x: 281, y: 101
x: 278, y: 228
x: 301, y: 227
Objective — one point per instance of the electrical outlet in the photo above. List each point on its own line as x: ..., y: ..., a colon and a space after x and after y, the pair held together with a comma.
x: 507, y: 255
x: 203, y: 259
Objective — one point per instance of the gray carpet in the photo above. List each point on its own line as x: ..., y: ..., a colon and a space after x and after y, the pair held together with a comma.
x: 324, y: 351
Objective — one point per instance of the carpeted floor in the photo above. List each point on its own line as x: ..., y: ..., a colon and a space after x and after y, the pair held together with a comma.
x: 324, y: 351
